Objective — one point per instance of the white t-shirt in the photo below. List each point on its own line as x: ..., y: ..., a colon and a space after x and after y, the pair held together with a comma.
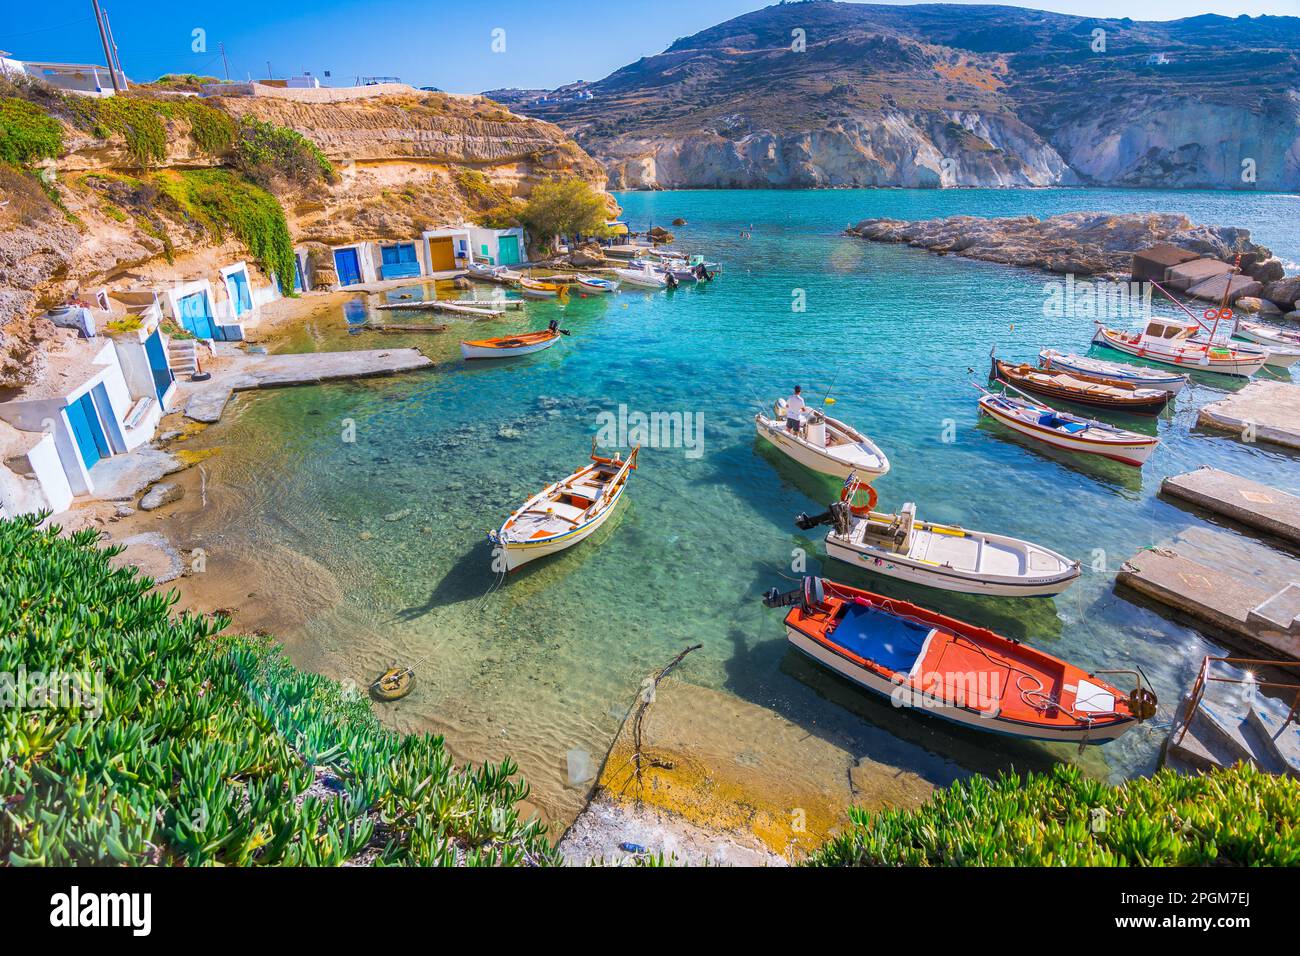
x: 794, y: 406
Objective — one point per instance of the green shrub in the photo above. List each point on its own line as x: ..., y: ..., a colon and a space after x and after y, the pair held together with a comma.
x: 221, y: 201
x: 27, y: 132
x: 143, y: 122
x: 198, y: 748
x: 1239, y: 816
x: 266, y: 152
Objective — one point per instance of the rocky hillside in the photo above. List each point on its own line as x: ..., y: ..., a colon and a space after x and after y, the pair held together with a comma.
x: 147, y: 188
x: 945, y: 95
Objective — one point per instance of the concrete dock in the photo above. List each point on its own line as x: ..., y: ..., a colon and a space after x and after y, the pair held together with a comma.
x: 1244, y: 501
x: 433, y: 305
x: 208, y: 400
x: 1267, y: 411
x: 1239, y: 611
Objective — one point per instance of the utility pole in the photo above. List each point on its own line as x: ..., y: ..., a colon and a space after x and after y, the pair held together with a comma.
x: 224, y: 61
x: 112, y: 45
x: 269, y: 74
x: 103, y: 37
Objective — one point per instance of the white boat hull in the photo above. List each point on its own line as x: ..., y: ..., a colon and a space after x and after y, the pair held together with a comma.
x: 1135, y: 374
x: 911, y: 697
x: 516, y: 554
x: 1193, y: 359
x: 468, y: 351
x: 1134, y: 454
x: 947, y: 577
x: 868, y: 466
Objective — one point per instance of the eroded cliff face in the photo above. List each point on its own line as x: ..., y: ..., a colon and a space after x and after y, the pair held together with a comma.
x: 888, y: 148
x: 397, y: 159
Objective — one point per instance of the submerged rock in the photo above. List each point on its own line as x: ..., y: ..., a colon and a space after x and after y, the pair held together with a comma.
x: 163, y: 493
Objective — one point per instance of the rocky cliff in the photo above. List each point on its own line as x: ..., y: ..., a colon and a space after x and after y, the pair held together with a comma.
x: 838, y: 94
x: 112, y: 212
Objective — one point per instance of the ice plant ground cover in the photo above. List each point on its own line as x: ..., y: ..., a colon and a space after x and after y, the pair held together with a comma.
x: 188, y: 746
x: 1234, y: 817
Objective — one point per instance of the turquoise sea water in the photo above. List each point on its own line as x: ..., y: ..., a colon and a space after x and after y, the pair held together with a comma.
x: 395, y: 521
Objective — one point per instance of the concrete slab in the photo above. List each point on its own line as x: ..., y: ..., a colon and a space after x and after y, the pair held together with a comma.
x: 1247, y: 502
x: 1212, y: 290
x: 1187, y: 274
x: 207, y: 403
x: 1270, y: 411
x: 1209, y: 600
x: 122, y: 477
x: 1155, y: 261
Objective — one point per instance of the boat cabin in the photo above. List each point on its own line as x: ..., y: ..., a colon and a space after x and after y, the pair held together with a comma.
x: 1169, y: 330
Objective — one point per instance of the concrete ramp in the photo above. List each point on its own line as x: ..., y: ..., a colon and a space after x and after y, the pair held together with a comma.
x: 1246, y: 502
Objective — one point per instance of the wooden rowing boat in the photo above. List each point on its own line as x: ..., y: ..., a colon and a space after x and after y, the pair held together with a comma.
x: 1093, y: 390
x: 509, y: 346
x: 823, y: 444
x: 938, y: 555
x: 969, y: 675
x: 563, y: 514
x: 1137, y: 374
x: 596, y: 286
x: 1070, y: 432
x: 534, y: 289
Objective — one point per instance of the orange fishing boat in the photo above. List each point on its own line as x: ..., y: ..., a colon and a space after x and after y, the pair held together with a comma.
x: 962, y: 673
x: 508, y: 346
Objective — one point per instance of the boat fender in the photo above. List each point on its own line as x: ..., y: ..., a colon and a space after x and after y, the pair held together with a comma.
x: 1142, y: 703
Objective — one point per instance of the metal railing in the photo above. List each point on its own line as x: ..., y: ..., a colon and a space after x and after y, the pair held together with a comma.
x: 1204, y: 677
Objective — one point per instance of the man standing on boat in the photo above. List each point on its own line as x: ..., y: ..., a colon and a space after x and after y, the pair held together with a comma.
x: 794, y: 409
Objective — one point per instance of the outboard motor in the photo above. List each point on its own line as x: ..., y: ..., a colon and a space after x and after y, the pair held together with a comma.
x: 837, y: 514
x: 810, y: 596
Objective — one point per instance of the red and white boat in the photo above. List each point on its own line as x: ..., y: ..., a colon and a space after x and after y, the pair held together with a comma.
x: 1070, y: 432
x: 954, y: 670
x: 1174, y: 342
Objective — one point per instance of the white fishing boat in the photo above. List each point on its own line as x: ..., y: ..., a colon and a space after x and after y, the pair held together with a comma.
x: 823, y: 444
x: 643, y: 277
x: 593, y: 285
x: 564, y: 513
x: 1282, y: 345
x: 938, y: 555
x: 1070, y: 432
x: 1144, y: 377
x: 1175, y: 342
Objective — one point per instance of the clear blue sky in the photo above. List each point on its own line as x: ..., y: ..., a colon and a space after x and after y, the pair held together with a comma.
x: 427, y: 42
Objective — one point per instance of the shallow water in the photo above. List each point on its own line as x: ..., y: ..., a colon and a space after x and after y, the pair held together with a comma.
x: 548, y: 663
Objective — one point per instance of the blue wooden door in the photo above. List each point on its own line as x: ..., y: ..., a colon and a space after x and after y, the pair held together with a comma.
x: 400, y: 261
x: 162, y: 373
x: 195, y: 317
x: 347, y: 265
x: 508, y: 250
x: 86, y: 430
x: 239, y: 292
x: 297, y: 274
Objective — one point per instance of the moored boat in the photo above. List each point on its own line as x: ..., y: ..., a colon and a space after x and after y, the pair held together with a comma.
x: 564, y: 513
x: 644, y: 278
x: 593, y: 285
x: 823, y: 444
x: 1282, y: 345
x: 1070, y: 432
x: 1174, y: 342
x: 962, y: 673
x: 534, y: 289
x: 509, y: 346
x: 1137, y: 374
x: 937, y: 555
x: 1093, y: 390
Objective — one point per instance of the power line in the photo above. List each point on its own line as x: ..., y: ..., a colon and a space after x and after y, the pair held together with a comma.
x: 61, y: 26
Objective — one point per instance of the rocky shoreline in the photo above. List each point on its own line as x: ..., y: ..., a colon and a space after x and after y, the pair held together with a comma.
x: 1082, y: 243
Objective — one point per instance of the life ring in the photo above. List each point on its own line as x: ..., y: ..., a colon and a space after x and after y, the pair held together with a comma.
x: 1225, y: 314
x: 860, y: 510
x: 1209, y: 314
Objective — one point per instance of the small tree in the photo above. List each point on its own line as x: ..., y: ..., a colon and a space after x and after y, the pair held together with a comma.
x: 563, y: 207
